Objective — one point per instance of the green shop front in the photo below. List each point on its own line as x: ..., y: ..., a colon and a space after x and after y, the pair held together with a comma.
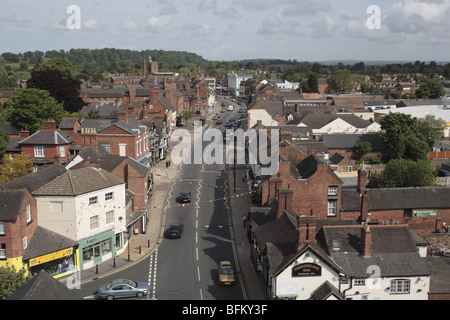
x: 96, y: 249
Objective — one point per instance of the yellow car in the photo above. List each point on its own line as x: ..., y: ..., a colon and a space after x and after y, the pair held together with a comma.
x: 226, y: 273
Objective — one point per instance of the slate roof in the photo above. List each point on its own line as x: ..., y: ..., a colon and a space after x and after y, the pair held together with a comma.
x: 393, y: 251
x: 79, y: 181
x: 10, y: 201
x: 317, y: 121
x: 44, y: 287
x: 45, y: 241
x: 35, y: 180
x: 326, y: 290
x: 397, y: 198
x: 440, y: 274
x: 47, y: 137
x: 348, y: 141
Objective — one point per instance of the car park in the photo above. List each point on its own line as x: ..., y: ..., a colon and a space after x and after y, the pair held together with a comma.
x: 185, y: 196
x: 175, y: 231
x: 226, y: 273
x: 122, y: 288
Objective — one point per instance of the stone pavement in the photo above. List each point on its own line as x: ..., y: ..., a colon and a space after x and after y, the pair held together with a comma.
x: 142, y: 246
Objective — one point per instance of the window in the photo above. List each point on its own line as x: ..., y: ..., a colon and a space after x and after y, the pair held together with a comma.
x: 360, y: 281
x: 93, y: 200
x: 400, y: 286
x: 62, y: 151
x: 2, y: 251
x: 25, y: 243
x: 332, y: 191
x: 94, y: 222
x: 332, y: 208
x: 28, y: 213
x: 344, y: 169
x: 107, y: 147
x: 56, y: 206
x: 2, y: 228
x: 39, y: 151
x: 110, y: 217
x: 108, y: 196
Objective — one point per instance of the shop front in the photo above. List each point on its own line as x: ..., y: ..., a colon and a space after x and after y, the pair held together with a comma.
x: 96, y: 249
x: 58, y: 264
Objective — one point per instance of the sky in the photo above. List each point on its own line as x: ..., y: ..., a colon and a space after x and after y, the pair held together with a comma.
x: 304, y: 30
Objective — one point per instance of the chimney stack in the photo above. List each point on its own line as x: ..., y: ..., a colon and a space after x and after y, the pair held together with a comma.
x: 366, y: 240
x: 362, y: 178
x: 284, y: 201
x: 306, y: 230
x: 50, y: 125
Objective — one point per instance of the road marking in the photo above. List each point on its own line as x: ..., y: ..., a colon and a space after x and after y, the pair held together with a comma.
x: 152, y: 275
x: 198, y: 273
x: 196, y: 253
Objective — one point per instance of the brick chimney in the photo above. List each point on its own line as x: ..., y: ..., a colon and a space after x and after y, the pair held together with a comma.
x: 24, y: 133
x: 306, y: 230
x: 122, y: 115
x: 50, y: 125
x: 366, y: 240
x: 364, y: 205
x: 362, y: 178
x: 284, y: 201
x: 132, y: 93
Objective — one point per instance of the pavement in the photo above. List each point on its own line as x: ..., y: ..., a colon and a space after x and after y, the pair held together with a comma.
x: 142, y: 246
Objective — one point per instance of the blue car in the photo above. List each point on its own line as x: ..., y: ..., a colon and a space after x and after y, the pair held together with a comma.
x: 123, y: 288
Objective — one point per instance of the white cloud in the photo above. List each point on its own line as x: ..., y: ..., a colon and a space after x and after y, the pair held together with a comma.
x: 129, y: 26
x: 158, y: 23
x: 92, y: 25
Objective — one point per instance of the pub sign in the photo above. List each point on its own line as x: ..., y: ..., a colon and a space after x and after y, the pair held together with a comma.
x: 307, y: 270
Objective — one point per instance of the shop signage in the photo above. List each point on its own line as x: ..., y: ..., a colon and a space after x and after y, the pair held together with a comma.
x: 51, y: 256
x: 307, y: 270
x: 424, y: 213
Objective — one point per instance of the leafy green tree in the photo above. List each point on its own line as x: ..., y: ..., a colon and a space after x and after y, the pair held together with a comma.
x: 64, y: 90
x: 432, y: 129
x: 403, y: 134
x: 362, y: 148
x: 31, y: 108
x: 404, y: 173
x: 430, y: 89
x: 11, y: 280
x: 341, y: 81
x: 20, y: 166
x: 61, y: 64
x: 4, y: 139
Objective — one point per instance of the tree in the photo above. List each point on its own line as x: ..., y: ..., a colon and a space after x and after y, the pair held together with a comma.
x: 403, y: 173
x: 61, y: 64
x: 362, y: 148
x: 11, y: 280
x: 64, y: 90
x: 430, y: 89
x: 31, y: 108
x: 432, y: 129
x: 341, y: 81
x: 4, y: 139
x: 20, y: 166
x: 403, y: 134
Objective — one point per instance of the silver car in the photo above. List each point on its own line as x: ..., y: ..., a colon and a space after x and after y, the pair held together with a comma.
x: 122, y: 288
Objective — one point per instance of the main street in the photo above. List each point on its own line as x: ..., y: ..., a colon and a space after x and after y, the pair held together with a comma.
x: 186, y: 268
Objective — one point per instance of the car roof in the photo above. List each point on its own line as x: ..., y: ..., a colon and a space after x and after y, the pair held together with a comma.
x: 225, y: 263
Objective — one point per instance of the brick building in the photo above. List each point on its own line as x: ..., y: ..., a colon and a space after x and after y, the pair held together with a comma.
x: 48, y: 146
x: 18, y: 222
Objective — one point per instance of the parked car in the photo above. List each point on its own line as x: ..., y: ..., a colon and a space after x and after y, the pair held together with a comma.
x: 185, y: 196
x: 219, y: 122
x: 443, y: 173
x: 226, y: 273
x: 175, y: 231
x: 122, y: 288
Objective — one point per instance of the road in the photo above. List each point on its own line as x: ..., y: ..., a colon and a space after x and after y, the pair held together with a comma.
x: 186, y: 268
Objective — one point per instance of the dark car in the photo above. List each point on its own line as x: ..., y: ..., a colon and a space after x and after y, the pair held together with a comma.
x: 443, y: 173
x: 175, y: 231
x: 185, y: 196
x: 122, y: 288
